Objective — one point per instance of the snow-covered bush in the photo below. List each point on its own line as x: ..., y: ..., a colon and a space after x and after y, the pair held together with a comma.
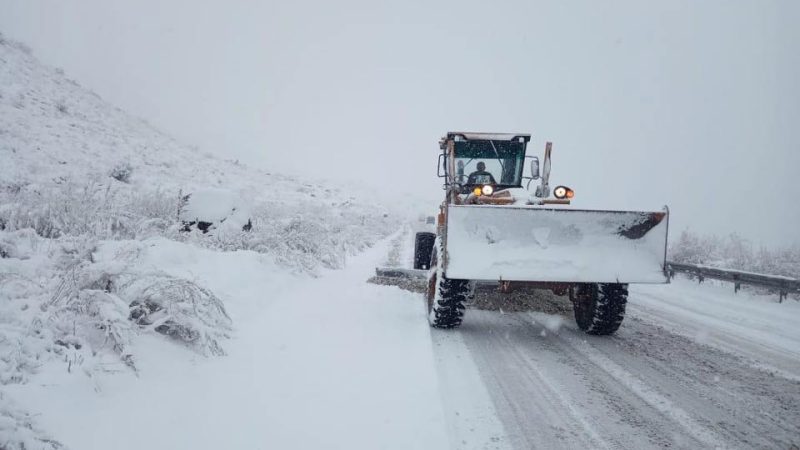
x: 92, y: 208
x: 59, y: 302
x: 94, y: 319
x: 303, y: 235
x: 307, y: 237
x: 735, y: 252
x: 121, y: 172
x: 108, y: 297
x: 179, y: 309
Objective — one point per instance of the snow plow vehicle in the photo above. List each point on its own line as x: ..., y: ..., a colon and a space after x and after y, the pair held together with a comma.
x: 492, y: 229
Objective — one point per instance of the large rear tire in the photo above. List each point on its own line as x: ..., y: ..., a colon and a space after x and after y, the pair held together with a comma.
x: 445, y: 297
x: 423, y: 249
x: 599, y: 308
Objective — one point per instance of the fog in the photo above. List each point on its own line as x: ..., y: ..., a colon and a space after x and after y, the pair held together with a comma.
x: 691, y: 104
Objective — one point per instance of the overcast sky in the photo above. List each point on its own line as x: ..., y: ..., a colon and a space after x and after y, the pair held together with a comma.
x: 694, y: 104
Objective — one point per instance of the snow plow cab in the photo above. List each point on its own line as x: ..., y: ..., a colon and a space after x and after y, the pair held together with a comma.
x: 500, y: 224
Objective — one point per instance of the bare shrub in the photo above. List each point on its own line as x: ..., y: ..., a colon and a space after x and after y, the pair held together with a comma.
x: 122, y: 172
x: 96, y: 319
x: 179, y: 309
x: 101, y: 210
x: 62, y: 107
x: 301, y: 236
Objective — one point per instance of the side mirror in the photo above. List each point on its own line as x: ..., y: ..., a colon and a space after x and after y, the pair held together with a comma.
x: 440, y: 170
x: 535, y: 167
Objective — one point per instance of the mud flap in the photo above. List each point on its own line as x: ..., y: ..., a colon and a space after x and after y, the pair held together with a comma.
x: 555, y: 245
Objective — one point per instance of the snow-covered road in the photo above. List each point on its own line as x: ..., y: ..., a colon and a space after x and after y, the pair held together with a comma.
x: 646, y: 387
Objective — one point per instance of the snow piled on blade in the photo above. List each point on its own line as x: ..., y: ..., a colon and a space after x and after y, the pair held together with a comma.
x: 531, y: 244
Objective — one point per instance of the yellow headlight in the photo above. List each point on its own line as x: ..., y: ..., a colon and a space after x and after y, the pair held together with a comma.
x: 476, y: 191
x: 488, y: 190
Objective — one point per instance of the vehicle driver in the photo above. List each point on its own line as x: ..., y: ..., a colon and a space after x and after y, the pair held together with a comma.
x: 480, y: 176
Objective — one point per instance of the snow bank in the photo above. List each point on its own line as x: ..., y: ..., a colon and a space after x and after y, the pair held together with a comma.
x: 349, y: 360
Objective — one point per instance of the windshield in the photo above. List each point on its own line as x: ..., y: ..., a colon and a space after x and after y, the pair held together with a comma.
x: 489, y: 162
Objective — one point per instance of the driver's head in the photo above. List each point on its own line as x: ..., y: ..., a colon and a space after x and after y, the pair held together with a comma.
x: 481, y: 166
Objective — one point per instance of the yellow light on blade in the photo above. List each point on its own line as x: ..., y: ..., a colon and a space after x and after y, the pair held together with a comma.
x: 476, y: 191
x: 488, y: 190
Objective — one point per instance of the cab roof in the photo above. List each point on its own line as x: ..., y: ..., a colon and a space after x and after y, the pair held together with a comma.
x: 469, y: 136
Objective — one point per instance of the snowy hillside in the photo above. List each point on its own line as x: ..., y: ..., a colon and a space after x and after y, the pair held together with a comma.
x: 90, y: 201
x: 54, y: 130
x: 73, y: 164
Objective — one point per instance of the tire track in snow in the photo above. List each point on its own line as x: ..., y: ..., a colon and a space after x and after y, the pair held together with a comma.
x: 748, y: 407
x: 472, y: 419
x: 732, y: 338
x: 704, y: 388
x: 644, y: 388
x: 542, y: 399
x: 645, y: 392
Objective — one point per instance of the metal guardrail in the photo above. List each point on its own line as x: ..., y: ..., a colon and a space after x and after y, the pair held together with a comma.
x: 783, y: 285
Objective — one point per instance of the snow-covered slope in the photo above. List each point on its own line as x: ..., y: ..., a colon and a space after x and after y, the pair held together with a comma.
x: 72, y: 165
x: 52, y: 129
x: 90, y: 202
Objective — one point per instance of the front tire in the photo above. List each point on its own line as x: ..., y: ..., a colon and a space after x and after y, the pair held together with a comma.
x: 445, y: 297
x: 599, y: 308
